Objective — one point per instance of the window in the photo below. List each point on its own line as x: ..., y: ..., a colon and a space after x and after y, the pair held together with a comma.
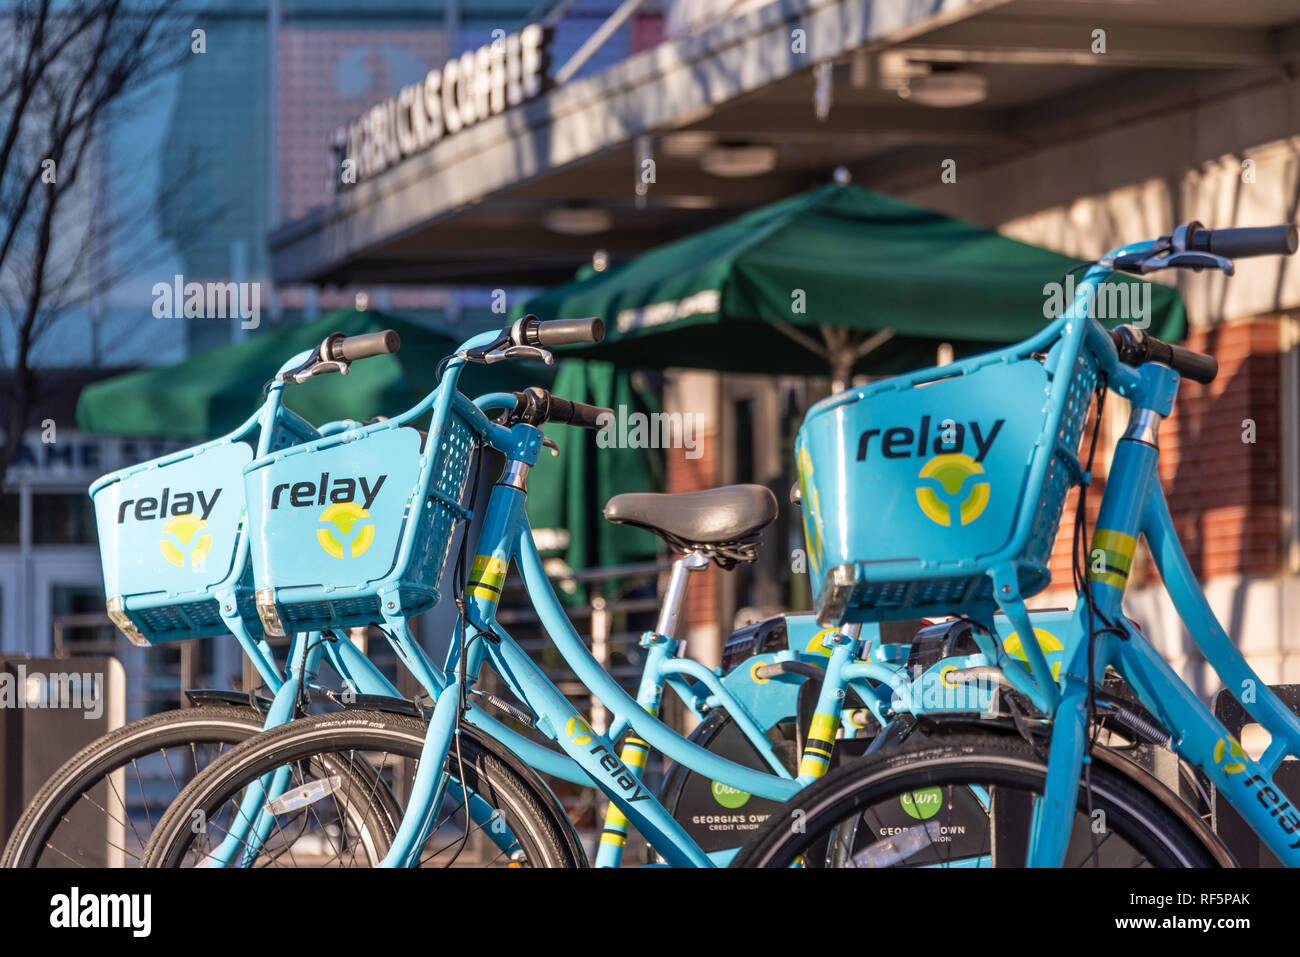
x: 67, y: 602
x: 63, y: 518
x: 10, y: 518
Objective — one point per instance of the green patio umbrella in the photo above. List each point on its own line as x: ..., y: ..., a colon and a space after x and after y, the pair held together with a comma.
x: 214, y: 392
x: 838, y: 279
x: 566, y: 494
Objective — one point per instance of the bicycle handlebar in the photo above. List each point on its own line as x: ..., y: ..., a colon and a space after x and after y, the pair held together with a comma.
x: 531, y: 331
x: 536, y: 406
x: 578, y: 414
x: 364, y: 346
x: 1136, y: 347
x: 1240, y: 243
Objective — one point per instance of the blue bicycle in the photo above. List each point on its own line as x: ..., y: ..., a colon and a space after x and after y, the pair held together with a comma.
x: 970, y: 465
x: 357, y: 527
x: 176, y: 550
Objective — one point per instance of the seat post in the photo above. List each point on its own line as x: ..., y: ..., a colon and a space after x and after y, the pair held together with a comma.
x: 670, y: 612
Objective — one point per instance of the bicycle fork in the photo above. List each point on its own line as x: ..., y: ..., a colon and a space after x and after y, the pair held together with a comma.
x: 1110, y: 557
x: 305, y: 652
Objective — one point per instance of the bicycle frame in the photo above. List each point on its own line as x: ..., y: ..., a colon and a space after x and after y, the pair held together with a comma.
x: 1134, y: 504
x: 586, y: 756
x: 589, y: 756
x: 306, y: 651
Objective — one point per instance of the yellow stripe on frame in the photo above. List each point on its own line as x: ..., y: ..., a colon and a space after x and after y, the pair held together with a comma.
x: 615, y: 819
x: 487, y: 570
x: 1123, y: 546
x: 1113, y: 579
x: 487, y: 594
x: 1117, y: 555
x: 813, y: 766
x: 823, y: 727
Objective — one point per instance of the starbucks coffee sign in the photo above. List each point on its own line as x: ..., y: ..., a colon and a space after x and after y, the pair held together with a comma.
x: 479, y: 84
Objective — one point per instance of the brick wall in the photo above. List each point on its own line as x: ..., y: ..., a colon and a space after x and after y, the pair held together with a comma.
x: 691, y: 475
x: 1225, y: 493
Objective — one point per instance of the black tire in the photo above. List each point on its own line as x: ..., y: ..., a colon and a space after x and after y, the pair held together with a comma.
x: 74, y: 796
x: 348, y: 743
x: 868, y: 812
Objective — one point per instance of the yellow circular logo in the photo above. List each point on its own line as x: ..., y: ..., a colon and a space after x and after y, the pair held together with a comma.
x: 1047, y: 641
x: 345, y: 527
x: 815, y: 646
x: 578, y: 729
x: 186, y: 541
x: 1230, y: 755
x: 950, y: 487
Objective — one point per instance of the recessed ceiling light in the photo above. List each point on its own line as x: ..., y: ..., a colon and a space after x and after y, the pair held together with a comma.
x: 946, y: 88
x: 734, y: 160
x: 689, y: 202
x: 577, y: 220
x: 687, y: 144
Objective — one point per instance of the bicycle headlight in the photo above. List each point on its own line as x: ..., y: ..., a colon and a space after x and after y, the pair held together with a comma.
x: 117, y: 614
x: 833, y: 602
x: 269, y: 613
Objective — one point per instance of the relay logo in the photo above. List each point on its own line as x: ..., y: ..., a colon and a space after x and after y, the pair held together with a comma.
x: 951, y: 490
x: 186, y: 541
x: 949, y: 437
x: 951, y: 487
x: 345, y: 529
x: 173, y: 503
x: 308, y: 494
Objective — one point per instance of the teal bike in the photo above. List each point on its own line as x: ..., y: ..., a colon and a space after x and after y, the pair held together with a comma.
x: 971, y: 517
x: 357, y: 527
x: 176, y: 547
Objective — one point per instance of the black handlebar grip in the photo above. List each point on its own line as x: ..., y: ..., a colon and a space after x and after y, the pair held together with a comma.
x: 562, y: 332
x: 579, y: 414
x: 1136, y: 347
x: 1247, y: 241
x: 364, y: 346
x: 1196, y: 366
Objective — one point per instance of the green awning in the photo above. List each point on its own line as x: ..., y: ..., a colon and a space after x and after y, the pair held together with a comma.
x: 834, y: 277
x: 212, y: 393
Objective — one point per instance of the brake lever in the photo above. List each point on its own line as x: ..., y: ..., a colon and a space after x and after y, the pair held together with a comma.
x: 317, y: 368
x: 1199, y: 261
x: 550, y: 444
x: 316, y: 365
x: 1146, y: 264
x: 510, y: 352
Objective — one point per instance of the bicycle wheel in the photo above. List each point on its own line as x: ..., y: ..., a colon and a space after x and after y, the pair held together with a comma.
x: 965, y: 799
x: 349, y: 774
x: 99, y: 808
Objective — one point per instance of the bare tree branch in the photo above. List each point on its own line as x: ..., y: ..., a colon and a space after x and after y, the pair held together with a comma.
x: 65, y: 65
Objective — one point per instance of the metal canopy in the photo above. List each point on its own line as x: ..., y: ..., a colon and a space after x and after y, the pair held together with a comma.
x: 473, y: 208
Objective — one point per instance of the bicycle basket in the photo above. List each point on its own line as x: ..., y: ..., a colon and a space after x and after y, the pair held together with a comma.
x: 169, y: 531
x: 357, y: 527
x: 916, y: 490
x: 172, y: 537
